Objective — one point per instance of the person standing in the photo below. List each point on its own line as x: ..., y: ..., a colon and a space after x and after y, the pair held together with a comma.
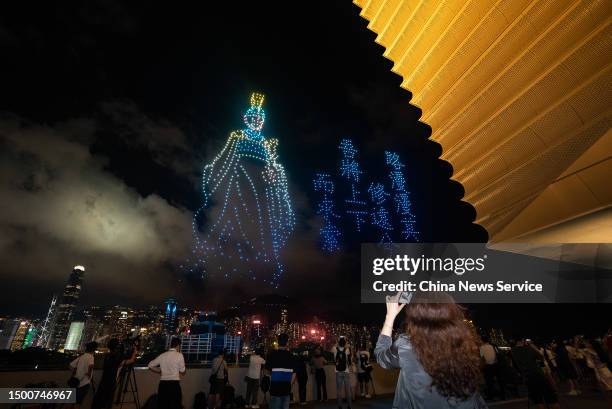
x: 113, y: 361
x: 217, y: 380
x: 364, y: 370
x: 252, y: 378
x: 528, y: 361
x: 318, y: 363
x: 491, y: 372
x: 82, y: 370
x: 342, y: 358
x: 301, y: 373
x: 436, y: 354
x: 281, y: 366
x: 170, y: 365
x: 567, y: 371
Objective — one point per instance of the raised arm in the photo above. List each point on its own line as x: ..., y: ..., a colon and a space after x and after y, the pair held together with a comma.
x: 386, y: 354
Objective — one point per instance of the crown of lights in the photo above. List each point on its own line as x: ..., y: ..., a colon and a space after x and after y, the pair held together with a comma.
x: 245, y: 195
x: 255, y: 117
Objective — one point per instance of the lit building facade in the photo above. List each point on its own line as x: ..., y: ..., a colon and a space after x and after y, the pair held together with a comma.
x: 8, y: 328
x: 206, y: 338
x: 30, y: 337
x: 75, y: 333
x: 170, y: 317
x: 64, y: 309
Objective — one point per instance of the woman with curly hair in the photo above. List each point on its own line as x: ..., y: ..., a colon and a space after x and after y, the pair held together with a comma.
x: 437, y: 355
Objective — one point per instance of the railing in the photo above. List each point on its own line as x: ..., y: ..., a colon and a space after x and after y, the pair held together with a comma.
x: 194, y: 381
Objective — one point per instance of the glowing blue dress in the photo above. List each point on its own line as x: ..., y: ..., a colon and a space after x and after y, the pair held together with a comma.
x: 247, y: 214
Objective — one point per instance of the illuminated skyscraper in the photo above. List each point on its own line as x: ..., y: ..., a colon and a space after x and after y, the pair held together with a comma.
x: 170, y: 321
x: 283, y: 319
x: 75, y: 333
x: 8, y: 329
x: 65, y: 309
x: 118, y: 322
x: 30, y: 337
x: 45, y: 330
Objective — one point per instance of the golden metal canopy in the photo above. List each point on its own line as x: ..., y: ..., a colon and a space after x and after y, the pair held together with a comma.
x: 518, y: 94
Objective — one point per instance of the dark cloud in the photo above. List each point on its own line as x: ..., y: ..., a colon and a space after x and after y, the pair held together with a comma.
x: 125, y: 103
x: 66, y: 209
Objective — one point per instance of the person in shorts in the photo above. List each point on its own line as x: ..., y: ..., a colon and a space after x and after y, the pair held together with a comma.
x: 364, y: 369
x: 217, y: 384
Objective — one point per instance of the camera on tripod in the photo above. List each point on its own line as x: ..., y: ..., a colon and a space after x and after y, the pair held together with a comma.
x: 126, y: 383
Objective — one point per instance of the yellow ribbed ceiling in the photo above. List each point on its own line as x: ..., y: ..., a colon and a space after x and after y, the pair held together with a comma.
x: 514, y: 90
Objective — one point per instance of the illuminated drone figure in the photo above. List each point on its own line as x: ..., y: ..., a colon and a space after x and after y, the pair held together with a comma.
x: 246, y: 217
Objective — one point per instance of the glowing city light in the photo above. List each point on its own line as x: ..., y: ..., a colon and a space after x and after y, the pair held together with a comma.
x: 247, y: 216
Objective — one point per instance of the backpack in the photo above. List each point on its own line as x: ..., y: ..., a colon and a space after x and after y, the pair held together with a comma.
x: 199, y: 401
x: 341, y: 360
x: 363, y: 361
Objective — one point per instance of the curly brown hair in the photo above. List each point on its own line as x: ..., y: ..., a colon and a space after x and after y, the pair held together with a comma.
x: 444, y: 344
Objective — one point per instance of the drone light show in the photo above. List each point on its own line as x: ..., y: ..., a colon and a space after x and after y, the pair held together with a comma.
x: 246, y: 216
x: 380, y: 211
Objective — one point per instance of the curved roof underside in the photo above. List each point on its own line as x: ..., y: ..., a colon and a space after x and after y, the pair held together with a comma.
x: 518, y: 94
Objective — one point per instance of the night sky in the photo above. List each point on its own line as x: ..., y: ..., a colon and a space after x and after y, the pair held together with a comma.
x: 110, y: 109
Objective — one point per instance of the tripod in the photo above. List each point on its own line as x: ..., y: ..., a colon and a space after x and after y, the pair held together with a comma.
x: 127, y: 386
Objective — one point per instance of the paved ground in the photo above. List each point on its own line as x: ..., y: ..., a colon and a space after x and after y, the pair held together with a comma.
x: 587, y: 401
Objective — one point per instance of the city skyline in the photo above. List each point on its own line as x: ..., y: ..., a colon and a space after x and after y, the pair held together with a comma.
x: 115, y: 180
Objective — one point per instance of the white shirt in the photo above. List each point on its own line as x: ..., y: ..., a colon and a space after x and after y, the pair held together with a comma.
x: 171, y: 363
x: 488, y: 353
x: 82, y: 365
x: 255, y: 363
x: 219, y: 367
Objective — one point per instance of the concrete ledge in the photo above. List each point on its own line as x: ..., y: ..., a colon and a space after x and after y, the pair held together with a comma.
x: 194, y: 381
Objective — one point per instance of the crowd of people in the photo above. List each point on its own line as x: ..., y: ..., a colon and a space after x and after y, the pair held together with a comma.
x: 442, y: 360
x: 279, y: 374
x: 443, y: 364
x: 548, y: 368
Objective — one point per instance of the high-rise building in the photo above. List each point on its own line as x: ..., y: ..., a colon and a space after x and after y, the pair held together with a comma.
x: 30, y: 337
x: 206, y: 338
x: 256, y: 333
x: 170, y: 321
x: 20, y: 335
x: 65, y: 309
x: 73, y: 340
x: 118, y: 322
x: 45, y: 330
x: 8, y: 329
x: 283, y: 319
